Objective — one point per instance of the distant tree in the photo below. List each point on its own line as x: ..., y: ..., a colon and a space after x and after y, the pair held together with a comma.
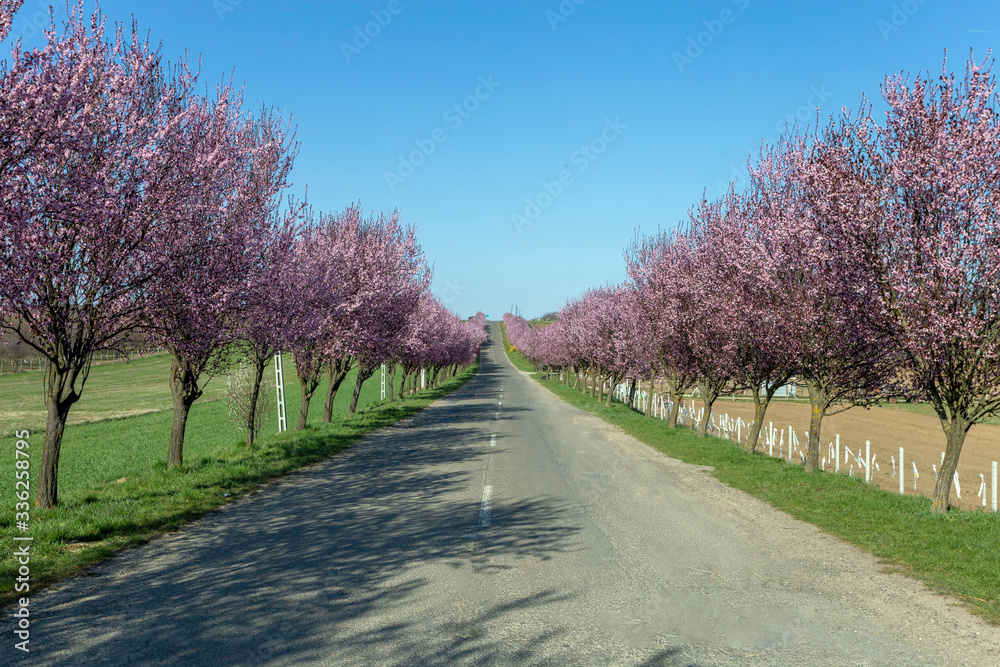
x: 655, y: 270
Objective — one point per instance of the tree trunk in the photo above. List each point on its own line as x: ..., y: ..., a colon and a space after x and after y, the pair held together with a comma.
x: 185, y: 391
x: 390, y: 380
x: 648, y: 408
x: 576, y: 379
x: 258, y: 378
x: 820, y: 402
x: 363, y: 374
x: 335, y: 377
x: 955, y: 431
x: 760, y: 404
x: 674, y: 395
x: 708, y: 393
x: 59, y: 402
x: 308, y: 386
x: 631, y: 393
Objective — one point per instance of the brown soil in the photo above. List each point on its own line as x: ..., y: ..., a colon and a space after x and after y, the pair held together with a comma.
x: 887, y: 429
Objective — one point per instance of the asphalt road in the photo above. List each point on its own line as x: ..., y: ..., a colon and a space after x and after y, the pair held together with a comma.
x: 499, y: 526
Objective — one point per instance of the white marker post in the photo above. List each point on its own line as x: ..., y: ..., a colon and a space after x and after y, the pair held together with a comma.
x: 279, y: 387
x: 383, y: 382
x: 901, y: 470
x: 836, y: 467
x: 994, y: 486
x: 789, y: 443
x: 868, y: 461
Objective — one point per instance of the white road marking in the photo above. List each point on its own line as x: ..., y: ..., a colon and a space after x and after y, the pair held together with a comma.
x: 493, y: 440
x: 485, y: 513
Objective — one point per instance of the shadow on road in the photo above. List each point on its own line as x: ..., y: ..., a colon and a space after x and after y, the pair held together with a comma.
x: 307, y: 570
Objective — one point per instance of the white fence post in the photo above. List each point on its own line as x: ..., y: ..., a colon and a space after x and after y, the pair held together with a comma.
x: 836, y: 468
x: 994, y: 486
x: 901, y: 470
x: 868, y: 461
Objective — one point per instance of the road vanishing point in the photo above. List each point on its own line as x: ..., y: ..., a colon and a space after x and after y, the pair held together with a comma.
x: 500, y: 526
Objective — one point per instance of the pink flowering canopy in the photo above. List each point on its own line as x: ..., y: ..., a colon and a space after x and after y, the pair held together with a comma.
x: 7, y: 9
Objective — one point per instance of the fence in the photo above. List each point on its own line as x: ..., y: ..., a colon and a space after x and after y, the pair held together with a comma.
x: 28, y: 364
x: 856, y: 463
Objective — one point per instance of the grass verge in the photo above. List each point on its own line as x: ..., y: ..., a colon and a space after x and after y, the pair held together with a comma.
x: 957, y: 554
x: 520, y: 361
x: 120, y: 494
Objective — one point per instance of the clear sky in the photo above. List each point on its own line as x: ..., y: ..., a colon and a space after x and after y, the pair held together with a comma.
x: 529, y: 140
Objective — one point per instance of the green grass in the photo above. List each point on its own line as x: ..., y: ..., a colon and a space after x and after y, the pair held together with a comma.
x: 112, y: 390
x: 957, y: 554
x: 115, y: 491
x: 520, y: 361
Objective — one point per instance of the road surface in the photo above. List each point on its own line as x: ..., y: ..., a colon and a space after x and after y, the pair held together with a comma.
x: 499, y: 526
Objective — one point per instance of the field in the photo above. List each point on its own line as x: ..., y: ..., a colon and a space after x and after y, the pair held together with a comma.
x: 888, y: 429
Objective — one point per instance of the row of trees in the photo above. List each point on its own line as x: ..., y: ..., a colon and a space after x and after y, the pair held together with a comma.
x: 863, y: 258
x: 129, y: 202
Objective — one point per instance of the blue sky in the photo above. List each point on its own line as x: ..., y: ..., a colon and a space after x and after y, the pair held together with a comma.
x: 528, y: 141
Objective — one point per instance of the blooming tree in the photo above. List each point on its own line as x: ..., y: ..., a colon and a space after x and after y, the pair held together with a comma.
x: 262, y: 326
x: 90, y: 129
x: 224, y: 227
x: 654, y: 269
x: 937, y: 246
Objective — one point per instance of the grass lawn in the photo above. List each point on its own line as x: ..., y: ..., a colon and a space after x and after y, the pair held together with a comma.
x: 957, y: 554
x: 114, y: 488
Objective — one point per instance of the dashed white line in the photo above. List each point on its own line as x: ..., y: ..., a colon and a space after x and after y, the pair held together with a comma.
x: 493, y: 440
x: 485, y: 512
